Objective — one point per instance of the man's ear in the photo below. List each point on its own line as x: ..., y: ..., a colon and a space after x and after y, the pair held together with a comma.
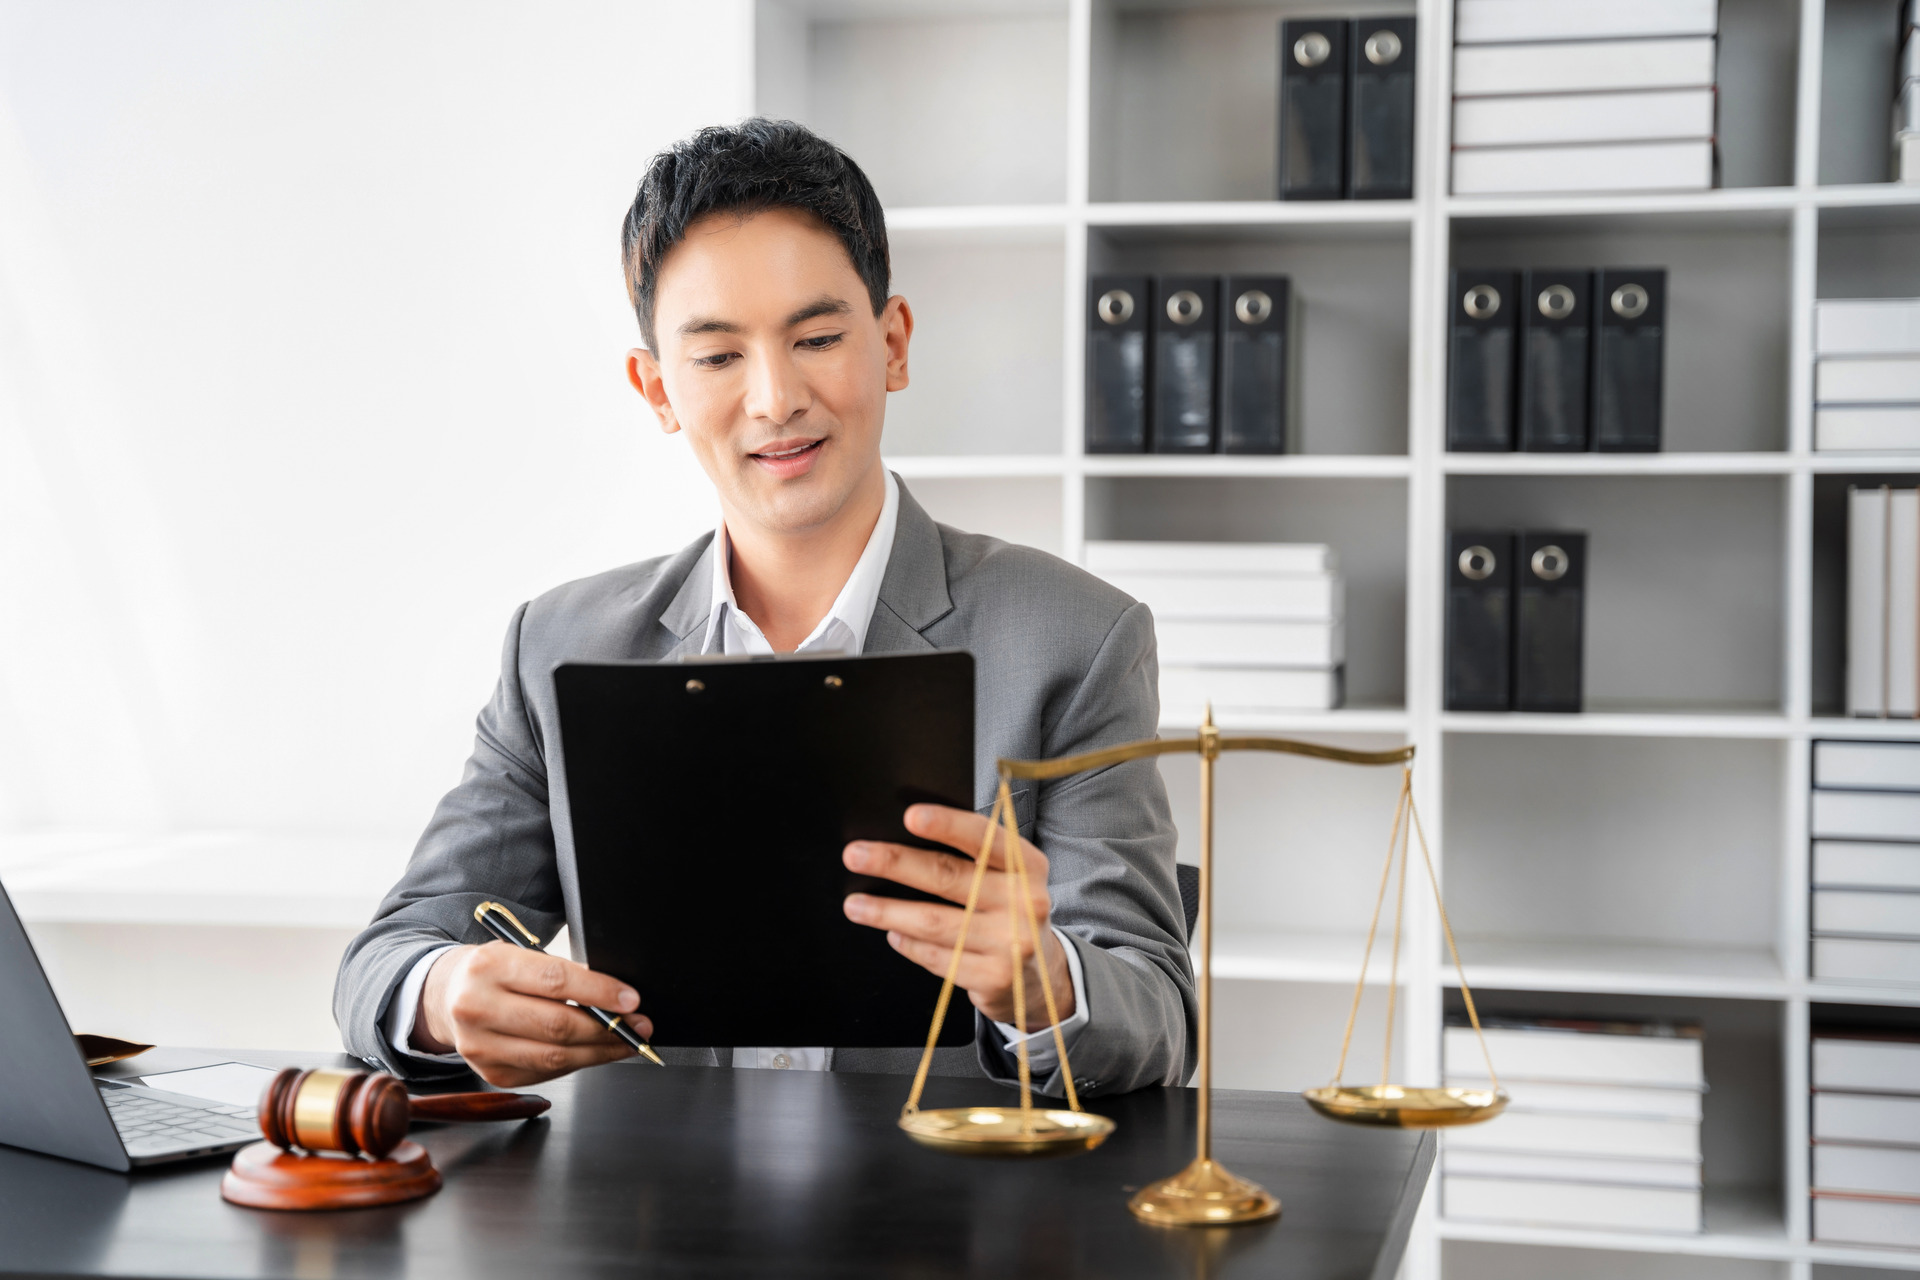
x: 643, y: 371
x: 896, y: 328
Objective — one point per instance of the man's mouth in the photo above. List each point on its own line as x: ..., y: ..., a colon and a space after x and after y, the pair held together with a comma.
x: 784, y: 451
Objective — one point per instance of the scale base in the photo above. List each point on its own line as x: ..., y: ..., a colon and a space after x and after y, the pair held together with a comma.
x: 1204, y: 1194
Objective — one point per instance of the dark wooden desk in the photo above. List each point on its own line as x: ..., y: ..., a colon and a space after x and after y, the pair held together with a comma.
x: 705, y: 1172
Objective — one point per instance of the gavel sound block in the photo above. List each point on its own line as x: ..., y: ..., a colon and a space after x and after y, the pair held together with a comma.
x: 338, y: 1140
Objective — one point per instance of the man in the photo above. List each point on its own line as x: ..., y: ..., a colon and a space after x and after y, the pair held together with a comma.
x: 756, y: 261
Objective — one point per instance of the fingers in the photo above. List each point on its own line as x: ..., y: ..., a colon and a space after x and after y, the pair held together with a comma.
x: 940, y: 874
x: 535, y: 973
x: 511, y: 1062
x: 965, y: 830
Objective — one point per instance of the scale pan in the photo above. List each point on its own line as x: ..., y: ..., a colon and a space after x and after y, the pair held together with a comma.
x: 997, y: 1131
x: 1405, y: 1108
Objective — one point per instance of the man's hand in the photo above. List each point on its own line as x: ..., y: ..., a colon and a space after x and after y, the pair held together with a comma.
x: 924, y: 932
x: 503, y: 1009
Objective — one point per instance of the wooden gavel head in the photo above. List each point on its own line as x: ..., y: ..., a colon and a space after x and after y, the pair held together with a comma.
x: 368, y: 1112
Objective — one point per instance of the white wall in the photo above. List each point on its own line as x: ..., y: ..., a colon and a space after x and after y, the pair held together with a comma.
x: 311, y: 331
x: 311, y: 344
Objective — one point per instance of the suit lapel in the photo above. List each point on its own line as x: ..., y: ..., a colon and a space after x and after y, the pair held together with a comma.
x: 686, y: 615
x: 913, y: 593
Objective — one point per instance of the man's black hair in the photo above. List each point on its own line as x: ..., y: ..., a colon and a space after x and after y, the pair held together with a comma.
x: 746, y: 168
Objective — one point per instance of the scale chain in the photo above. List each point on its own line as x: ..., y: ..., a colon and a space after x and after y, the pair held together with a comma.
x: 1373, y: 925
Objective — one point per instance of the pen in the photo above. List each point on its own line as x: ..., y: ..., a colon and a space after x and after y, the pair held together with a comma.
x: 506, y: 926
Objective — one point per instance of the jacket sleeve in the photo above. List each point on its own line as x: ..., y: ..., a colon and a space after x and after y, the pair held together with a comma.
x: 1109, y: 840
x: 490, y: 837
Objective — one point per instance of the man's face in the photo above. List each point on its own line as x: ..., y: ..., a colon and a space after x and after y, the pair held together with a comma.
x: 772, y: 361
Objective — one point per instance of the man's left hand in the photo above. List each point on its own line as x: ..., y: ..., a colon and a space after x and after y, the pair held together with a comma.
x: 924, y: 932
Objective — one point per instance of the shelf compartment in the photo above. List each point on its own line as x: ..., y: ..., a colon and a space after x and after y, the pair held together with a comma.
x: 1685, y: 593
x: 1728, y: 315
x: 1602, y: 723
x: 941, y: 107
x: 1326, y: 215
x: 1860, y: 50
x: 1645, y: 864
x: 1354, y: 303
x: 1364, y: 520
x: 1828, y: 605
x: 1725, y: 463
x: 1487, y: 1253
x: 1286, y: 1036
x: 1740, y: 1224
x: 1222, y: 465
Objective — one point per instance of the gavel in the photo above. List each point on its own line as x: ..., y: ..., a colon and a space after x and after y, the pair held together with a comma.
x: 367, y: 1113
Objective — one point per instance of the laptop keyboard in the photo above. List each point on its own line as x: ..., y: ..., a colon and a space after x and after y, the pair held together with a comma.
x: 155, y: 1127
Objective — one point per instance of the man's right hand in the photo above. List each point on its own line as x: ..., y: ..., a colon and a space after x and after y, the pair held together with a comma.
x: 504, y: 1010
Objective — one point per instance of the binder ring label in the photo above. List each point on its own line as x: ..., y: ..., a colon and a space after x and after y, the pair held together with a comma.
x: 1253, y: 306
x: 1556, y: 302
x: 1311, y: 49
x: 1478, y: 562
x: 1482, y: 302
x: 1382, y: 47
x: 1550, y: 563
x: 1185, y: 307
x: 1629, y: 301
x: 1115, y: 306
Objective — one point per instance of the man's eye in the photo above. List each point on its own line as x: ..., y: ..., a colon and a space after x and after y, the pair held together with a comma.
x: 713, y: 362
x: 822, y: 342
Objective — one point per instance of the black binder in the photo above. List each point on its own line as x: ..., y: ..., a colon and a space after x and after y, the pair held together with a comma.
x: 1480, y: 362
x: 1117, y: 310
x: 1629, y: 345
x: 1380, y: 109
x: 1313, y: 109
x: 1255, y: 377
x: 1556, y: 310
x: 1550, y: 622
x: 1185, y: 324
x: 1479, y: 620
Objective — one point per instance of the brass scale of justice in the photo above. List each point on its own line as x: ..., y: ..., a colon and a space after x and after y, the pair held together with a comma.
x: 1205, y: 1193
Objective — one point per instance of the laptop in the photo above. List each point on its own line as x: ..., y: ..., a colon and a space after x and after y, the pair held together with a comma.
x: 50, y: 1102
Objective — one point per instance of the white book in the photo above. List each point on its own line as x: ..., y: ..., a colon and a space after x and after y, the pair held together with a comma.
x: 1906, y: 157
x: 1570, y: 1204
x: 1866, y: 1117
x: 1631, y: 1173
x: 1542, y: 119
x: 1878, y: 428
x: 1635, y: 166
x: 1903, y: 598
x: 1866, y: 1064
x: 1579, y: 1057
x: 1866, y: 960
x: 1548, y: 1133
x: 1883, y: 913
x: 1889, y: 1171
x: 1243, y: 642
x: 1296, y: 597
x: 1186, y: 691
x: 1867, y: 815
x: 1210, y: 557
x: 1593, y: 1099
x: 1855, y: 1220
x: 1866, y: 327
x: 1869, y: 380
x: 1495, y: 21
x: 1866, y: 601
x: 1849, y: 863
x: 1867, y: 766
x: 1585, y: 67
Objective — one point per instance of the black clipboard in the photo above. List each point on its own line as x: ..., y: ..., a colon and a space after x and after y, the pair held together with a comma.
x: 710, y: 803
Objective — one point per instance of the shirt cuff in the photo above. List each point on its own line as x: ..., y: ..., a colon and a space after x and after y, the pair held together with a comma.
x: 1043, y: 1056
x: 398, y: 1024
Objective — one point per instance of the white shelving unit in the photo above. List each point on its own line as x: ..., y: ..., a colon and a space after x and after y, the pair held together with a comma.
x: 1648, y: 857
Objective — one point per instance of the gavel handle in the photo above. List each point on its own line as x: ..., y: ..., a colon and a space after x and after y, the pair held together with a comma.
x: 476, y: 1106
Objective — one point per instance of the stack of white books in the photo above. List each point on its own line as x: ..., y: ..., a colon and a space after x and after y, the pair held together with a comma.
x: 1866, y: 862
x: 1883, y: 602
x: 1906, y: 101
x: 1252, y: 627
x: 1603, y: 1130
x: 1866, y: 377
x: 1583, y: 95
x: 1866, y: 1138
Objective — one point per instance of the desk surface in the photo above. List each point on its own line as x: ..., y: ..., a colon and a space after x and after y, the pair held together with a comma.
x: 710, y: 1172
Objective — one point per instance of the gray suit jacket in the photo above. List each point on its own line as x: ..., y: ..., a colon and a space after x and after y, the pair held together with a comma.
x: 1065, y: 663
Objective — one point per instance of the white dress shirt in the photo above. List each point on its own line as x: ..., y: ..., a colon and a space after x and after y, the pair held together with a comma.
x: 731, y: 632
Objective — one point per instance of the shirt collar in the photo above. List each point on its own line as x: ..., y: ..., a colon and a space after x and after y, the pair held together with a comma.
x: 852, y: 610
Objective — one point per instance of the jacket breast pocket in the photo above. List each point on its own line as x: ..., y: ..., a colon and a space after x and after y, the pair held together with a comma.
x: 1022, y: 811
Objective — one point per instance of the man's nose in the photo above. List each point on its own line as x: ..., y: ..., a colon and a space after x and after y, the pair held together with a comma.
x: 775, y: 389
